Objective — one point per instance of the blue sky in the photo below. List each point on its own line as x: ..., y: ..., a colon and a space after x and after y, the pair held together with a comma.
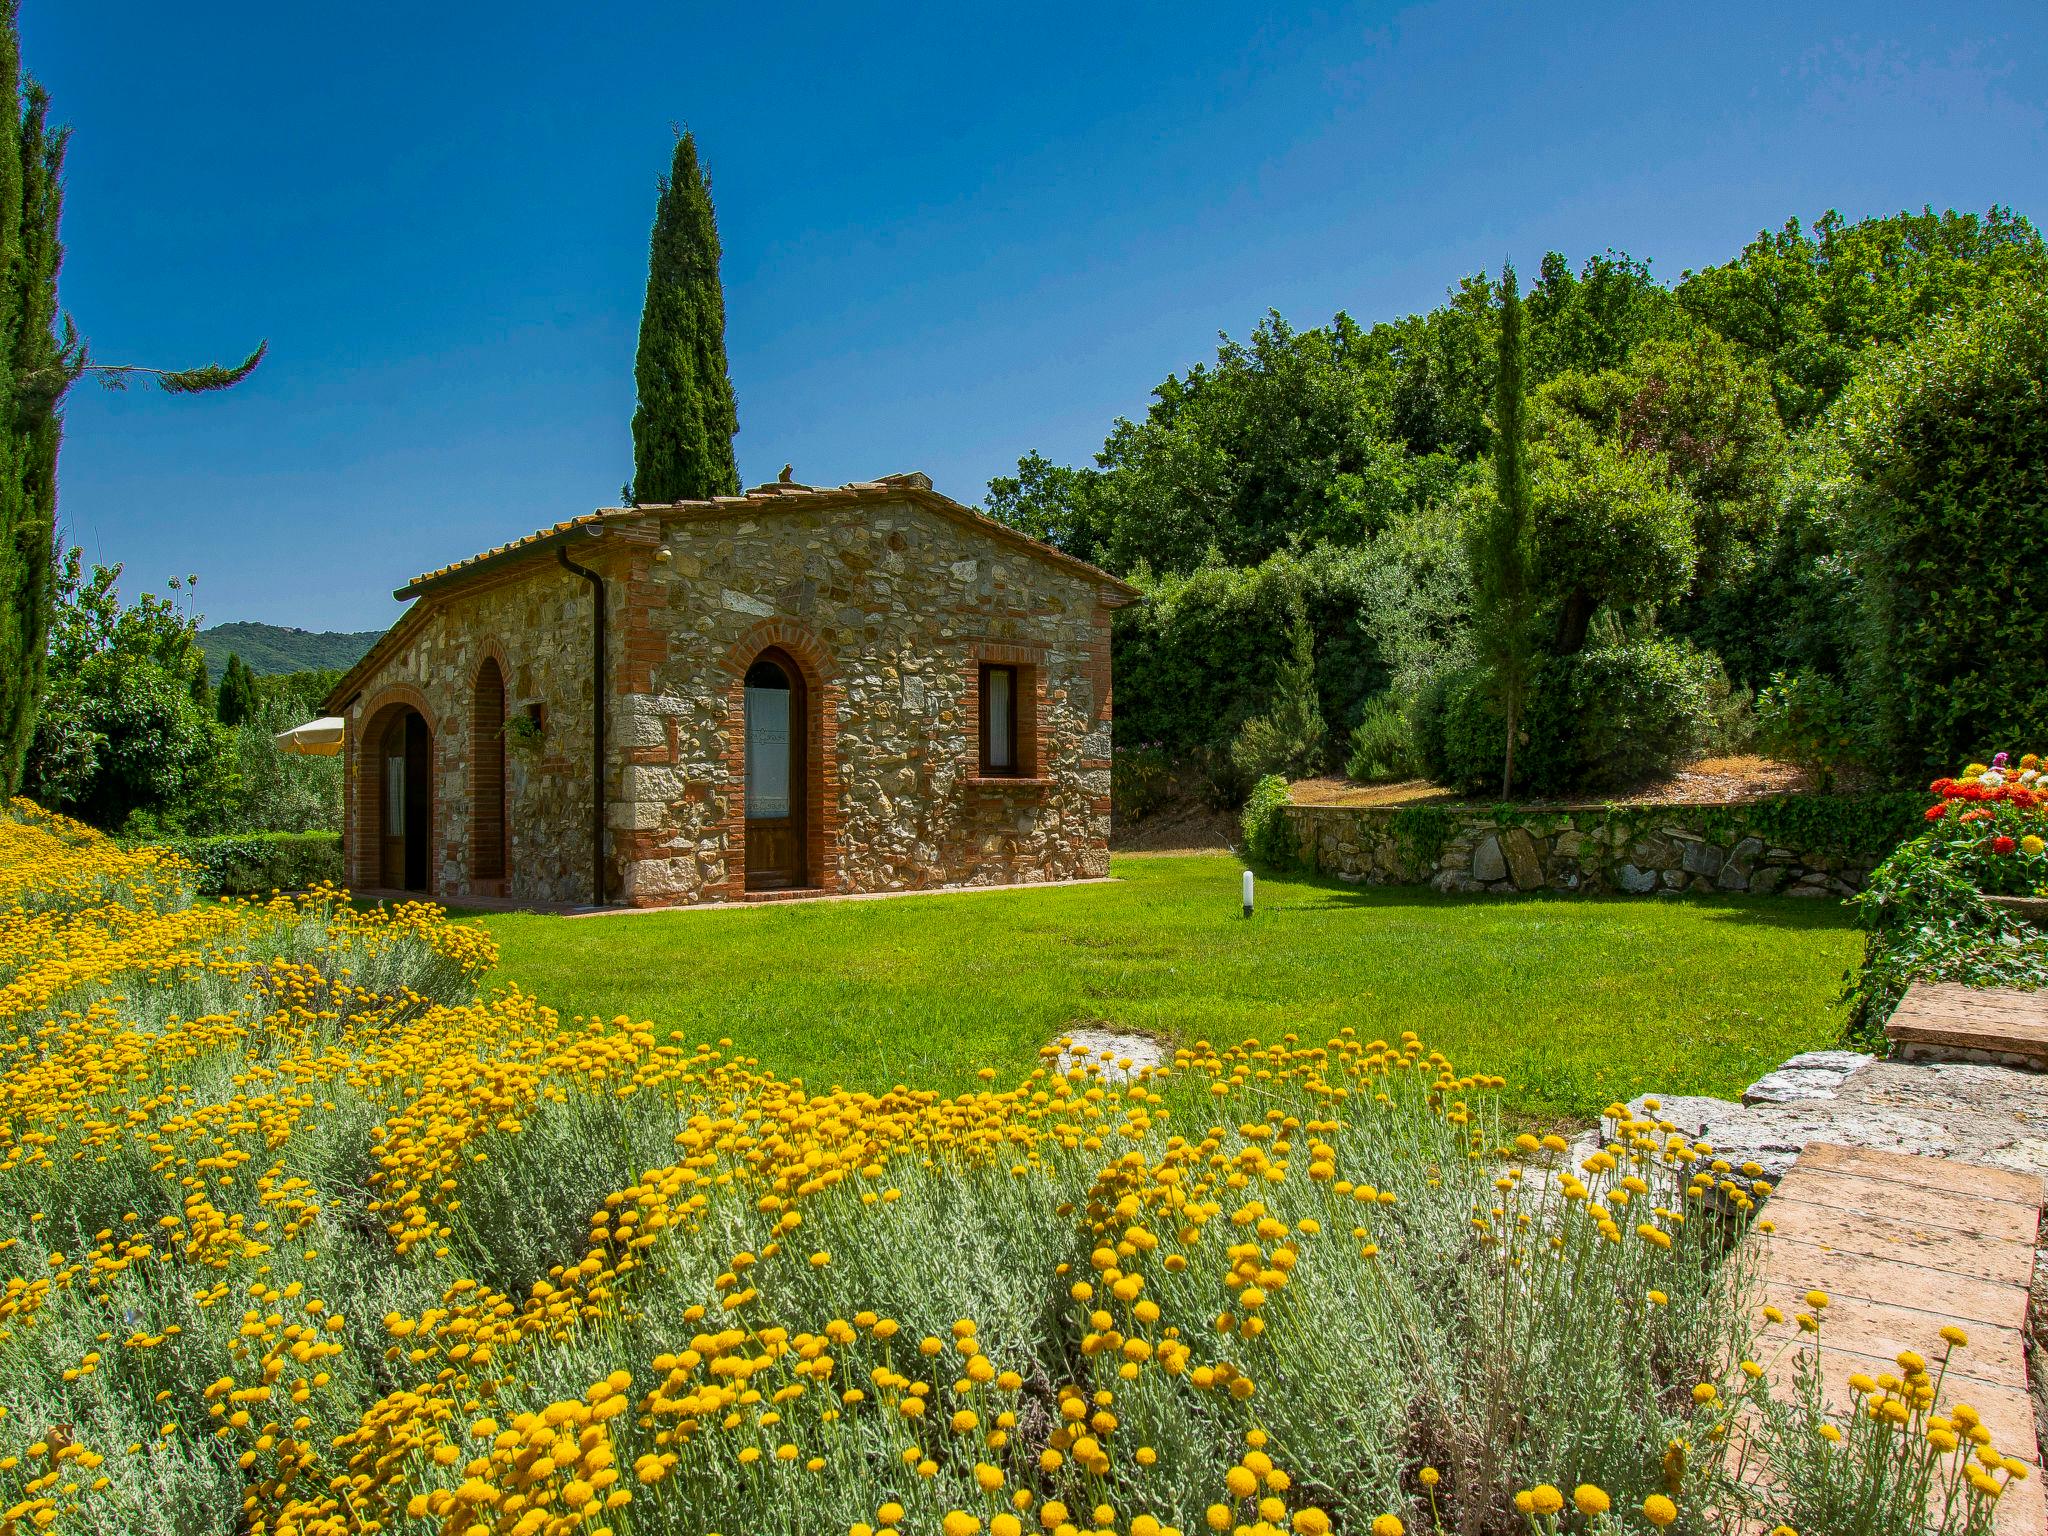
x: 951, y: 233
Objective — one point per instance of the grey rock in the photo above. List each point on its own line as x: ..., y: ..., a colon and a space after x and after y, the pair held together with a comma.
x: 1488, y: 862
x: 1107, y: 1050
x: 1523, y: 860
x: 1702, y: 858
x: 1842, y: 1063
x: 1766, y: 882
x: 1640, y: 881
x: 1745, y: 853
x: 1787, y: 1086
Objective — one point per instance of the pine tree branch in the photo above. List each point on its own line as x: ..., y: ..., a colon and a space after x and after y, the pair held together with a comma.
x: 177, y: 381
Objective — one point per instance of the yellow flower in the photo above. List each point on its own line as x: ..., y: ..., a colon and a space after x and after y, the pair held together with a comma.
x: 958, y: 1522
x: 1591, y: 1500
x: 1382, y: 1525
x: 1951, y: 1334
x: 1546, y: 1499
x: 1431, y: 1477
x: 1659, y: 1511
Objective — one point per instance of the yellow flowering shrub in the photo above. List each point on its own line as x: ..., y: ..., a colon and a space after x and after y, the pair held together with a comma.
x: 304, y: 1235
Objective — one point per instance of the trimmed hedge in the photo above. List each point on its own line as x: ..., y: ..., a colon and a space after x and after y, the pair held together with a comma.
x: 257, y: 863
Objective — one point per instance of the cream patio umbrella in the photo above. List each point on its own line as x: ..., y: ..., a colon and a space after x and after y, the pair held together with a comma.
x: 316, y: 738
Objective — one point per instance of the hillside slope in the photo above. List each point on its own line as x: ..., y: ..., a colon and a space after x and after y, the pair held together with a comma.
x: 269, y: 649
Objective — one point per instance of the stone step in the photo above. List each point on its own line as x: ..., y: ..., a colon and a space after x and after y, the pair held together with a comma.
x: 1904, y: 1245
x: 1942, y: 1021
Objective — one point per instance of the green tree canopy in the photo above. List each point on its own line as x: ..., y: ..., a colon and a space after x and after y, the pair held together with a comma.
x: 1946, y: 499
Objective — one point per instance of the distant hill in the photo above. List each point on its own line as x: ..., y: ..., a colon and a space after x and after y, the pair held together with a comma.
x: 269, y: 649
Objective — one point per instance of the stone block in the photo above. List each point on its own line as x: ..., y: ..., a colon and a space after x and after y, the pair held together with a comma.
x: 1638, y: 881
x: 1488, y: 861
x: 1700, y: 858
x: 1524, y: 863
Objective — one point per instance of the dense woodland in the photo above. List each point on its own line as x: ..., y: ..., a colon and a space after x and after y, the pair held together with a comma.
x: 1798, y: 500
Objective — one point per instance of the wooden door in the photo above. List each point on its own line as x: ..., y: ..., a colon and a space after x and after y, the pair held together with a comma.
x: 777, y: 723
x: 405, y: 760
x: 393, y: 783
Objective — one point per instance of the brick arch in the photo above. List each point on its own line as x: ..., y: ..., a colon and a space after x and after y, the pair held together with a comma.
x: 787, y: 635
x: 824, y: 694
x: 365, y: 855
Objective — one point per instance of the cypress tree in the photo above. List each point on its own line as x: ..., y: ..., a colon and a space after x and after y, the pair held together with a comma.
x: 238, y: 700
x: 39, y: 361
x: 684, y: 423
x: 35, y: 365
x: 1501, y: 542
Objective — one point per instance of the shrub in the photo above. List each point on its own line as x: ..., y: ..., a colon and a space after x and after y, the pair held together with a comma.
x: 1642, y: 707
x: 1268, y: 839
x: 1805, y: 718
x: 1290, y: 737
x: 1140, y: 781
x: 1474, y: 730
x: 494, y: 1266
x: 1203, y: 653
x: 1924, y: 907
x: 1946, y: 444
x: 1379, y: 742
x: 256, y: 863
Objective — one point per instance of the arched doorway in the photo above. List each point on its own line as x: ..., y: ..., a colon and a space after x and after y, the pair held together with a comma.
x: 405, y: 793
x: 777, y: 731
x: 487, y: 775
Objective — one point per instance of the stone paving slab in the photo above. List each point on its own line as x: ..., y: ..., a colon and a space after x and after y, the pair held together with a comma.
x: 1931, y: 1173
x: 1886, y: 1237
x: 1953, y: 1244
x: 1947, y: 1211
x: 1946, y: 1019
x: 1993, y: 1358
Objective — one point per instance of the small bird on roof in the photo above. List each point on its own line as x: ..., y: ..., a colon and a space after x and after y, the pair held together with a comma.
x: 788, y: 475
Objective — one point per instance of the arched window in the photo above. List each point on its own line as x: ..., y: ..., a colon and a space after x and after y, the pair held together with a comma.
x: 487, y: 774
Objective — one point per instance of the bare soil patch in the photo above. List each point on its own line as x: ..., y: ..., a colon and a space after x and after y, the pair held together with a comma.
x: 1709, y: 781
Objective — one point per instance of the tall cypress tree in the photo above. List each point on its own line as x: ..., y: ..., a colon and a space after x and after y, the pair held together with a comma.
x: 1501, y: 542
x: 684, y: 423
x: 35, y: 364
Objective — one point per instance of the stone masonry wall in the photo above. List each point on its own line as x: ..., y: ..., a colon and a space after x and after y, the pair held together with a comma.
x: 887, y: 610
x: 1638, y: 850
x: 538, y: 628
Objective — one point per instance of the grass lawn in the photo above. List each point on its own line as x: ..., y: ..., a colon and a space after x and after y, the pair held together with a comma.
x: 1576, y: 1000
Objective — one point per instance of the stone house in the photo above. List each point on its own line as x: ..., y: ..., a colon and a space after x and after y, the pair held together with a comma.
x: 866, y: 687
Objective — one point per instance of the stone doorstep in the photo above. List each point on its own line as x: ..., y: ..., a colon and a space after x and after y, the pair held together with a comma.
x: 1938, y: 1017
x: 1993, y: 1359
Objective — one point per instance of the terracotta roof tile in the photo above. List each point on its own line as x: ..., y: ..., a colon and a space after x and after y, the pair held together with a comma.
x: 910, y: 486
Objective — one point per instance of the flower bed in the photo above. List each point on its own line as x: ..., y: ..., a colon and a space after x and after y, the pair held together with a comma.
x: 304, y: 1235
x: 1934, y: 909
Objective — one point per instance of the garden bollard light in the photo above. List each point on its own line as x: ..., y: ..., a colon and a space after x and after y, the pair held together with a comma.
x: 1247, y: 893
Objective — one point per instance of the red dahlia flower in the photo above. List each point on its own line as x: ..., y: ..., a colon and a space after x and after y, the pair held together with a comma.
x: 2003, y: 844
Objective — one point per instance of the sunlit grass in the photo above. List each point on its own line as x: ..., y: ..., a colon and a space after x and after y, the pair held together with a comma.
x: 1712, y: 993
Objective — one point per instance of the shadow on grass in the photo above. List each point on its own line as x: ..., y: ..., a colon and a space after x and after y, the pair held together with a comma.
x: 1330, y: 893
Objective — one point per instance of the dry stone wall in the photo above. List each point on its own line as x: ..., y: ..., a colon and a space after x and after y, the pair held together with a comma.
x: 1630, y: 850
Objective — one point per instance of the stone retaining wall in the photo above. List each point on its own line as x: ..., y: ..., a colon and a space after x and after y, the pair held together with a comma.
x: 1639, y: 849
